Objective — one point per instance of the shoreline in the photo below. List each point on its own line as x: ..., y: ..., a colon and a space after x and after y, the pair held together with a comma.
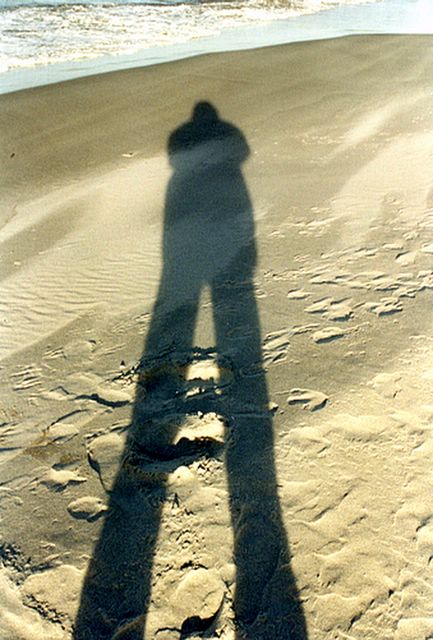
x: 329, y: 24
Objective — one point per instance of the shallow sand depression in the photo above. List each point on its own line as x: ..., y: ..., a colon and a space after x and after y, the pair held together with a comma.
x: 216, y: 350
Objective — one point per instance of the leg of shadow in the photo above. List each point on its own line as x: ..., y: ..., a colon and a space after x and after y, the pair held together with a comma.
x: 266, y: 600
x: 117, y: 586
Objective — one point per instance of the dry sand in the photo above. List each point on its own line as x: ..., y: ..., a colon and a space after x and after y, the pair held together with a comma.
x: 269, y: 475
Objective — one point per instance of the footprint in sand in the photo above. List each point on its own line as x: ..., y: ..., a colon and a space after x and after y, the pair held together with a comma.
x: 337, y: 310
x: 88, y: 508
x: 328, y: 334
x: 298, y: 294
x: 386, y: 307
x: 174, y: 440
x: 60, y: 479
x: 309, y: 399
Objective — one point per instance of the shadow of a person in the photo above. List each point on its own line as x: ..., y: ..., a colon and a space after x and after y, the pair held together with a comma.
x: 208, y: 241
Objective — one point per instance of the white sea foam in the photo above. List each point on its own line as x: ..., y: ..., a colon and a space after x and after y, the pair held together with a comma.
x: 40, y: 32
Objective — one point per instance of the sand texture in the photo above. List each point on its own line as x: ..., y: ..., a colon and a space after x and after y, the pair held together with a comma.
x: 216, y: 349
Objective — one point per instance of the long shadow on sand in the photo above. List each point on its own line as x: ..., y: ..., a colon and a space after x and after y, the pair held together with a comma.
x: 208, y: 242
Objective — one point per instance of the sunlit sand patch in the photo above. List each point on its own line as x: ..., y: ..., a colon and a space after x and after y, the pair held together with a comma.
x: 19, y: 619
x: 199, y: 595
x: 200, y: 427
x: 414, y: 628
x: 207, y: 375
x: 359, y: 215
x: 203, y: 369
x: 361, y: 428
x: 56, y: 591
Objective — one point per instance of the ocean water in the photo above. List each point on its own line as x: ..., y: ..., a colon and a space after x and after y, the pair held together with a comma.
x: 44, y: 41
x: 37, y: 32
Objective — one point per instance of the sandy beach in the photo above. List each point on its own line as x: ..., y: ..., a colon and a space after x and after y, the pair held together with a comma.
x: 216, y: 354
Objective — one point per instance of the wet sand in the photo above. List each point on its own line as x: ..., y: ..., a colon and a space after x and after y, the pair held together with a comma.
x: 216, y: 350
